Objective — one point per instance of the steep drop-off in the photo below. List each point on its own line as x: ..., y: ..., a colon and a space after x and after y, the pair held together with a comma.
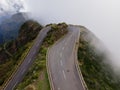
x: 94, y: 63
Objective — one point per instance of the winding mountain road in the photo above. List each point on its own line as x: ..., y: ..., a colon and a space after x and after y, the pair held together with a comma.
x: 22, y: 70
x: 61, y: 62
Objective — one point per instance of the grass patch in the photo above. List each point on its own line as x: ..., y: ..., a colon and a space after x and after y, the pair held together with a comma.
x: 43, y: 83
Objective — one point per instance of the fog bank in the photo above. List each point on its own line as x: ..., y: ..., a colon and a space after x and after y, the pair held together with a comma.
x: 102, y: 17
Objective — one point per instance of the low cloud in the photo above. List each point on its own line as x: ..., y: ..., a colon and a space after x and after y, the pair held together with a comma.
x: 10, y: 6
x: 102, y: 17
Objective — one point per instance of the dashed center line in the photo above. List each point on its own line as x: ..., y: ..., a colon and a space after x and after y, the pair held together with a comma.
x: 61, y: 62
x: 65, y: 43
x: 64, y: 75
x: 63, y: 48
x: 58, y: 88
x: 60, y: 54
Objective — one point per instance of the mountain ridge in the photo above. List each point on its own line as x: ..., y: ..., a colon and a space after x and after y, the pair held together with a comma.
x: 9, y: 27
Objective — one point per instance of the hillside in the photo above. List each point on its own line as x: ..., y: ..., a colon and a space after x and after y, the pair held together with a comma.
x: 92, y: 56
x: 13, y: 52
x: 97, y: 74
x: 9, y: 27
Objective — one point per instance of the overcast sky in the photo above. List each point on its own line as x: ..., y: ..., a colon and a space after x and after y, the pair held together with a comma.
x: 102, y: 17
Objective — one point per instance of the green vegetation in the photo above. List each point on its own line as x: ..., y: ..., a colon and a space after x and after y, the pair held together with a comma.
x: 36, y: 78
x: 13, y: 53
x: 97, y: 75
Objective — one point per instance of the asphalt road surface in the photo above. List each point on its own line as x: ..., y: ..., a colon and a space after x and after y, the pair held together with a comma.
x: 22, y: 70
x: 61, y: 62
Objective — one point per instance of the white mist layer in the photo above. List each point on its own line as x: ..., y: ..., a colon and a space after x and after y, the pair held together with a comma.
x: 102, y: 17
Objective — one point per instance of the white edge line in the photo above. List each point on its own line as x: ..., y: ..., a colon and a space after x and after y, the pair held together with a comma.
x: 15, y: 84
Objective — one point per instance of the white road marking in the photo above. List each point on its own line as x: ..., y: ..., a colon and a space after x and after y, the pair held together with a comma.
x: 60, y: 54
x: 65, y: 43
x: 64, y: 75
x: 23, y: 71
x: 58, y: 88
x: 63, y: 48
x: 61, y: 62
x: 29, y: 60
